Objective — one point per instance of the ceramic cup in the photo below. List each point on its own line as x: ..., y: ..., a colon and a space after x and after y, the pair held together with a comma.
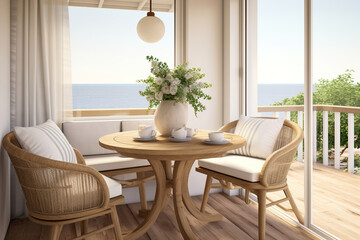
x: 146, y: 131
x: 179, y: 133
x: 216, y: 136
x: 189, y: 132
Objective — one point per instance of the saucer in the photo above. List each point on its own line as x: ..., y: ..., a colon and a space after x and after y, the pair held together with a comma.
x: 224, y: 141
x: 172, y: 139
x: 148, y: 139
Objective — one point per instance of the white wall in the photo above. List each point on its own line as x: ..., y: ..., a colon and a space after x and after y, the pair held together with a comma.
x: 4, y: 114
x: 205, y: 50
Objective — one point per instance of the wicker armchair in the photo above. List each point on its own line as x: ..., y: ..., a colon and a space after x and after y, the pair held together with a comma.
x: 59, y: 193
x: 273, y: 175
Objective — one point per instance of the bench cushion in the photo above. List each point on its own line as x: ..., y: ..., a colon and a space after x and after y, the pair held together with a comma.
x: 115, y: 188
x: 243, y: 167
x: 113, y: 162
x: 131, y: 125
x: 84, y: 135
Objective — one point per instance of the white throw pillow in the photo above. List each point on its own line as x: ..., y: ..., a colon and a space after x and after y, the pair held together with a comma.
x: 46, y: 140
x: 260, y: 135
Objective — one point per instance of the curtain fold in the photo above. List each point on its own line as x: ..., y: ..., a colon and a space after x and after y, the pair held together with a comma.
x: 40, y: 71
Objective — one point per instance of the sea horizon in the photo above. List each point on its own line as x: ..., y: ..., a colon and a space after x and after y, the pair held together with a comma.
x: 126, y: 95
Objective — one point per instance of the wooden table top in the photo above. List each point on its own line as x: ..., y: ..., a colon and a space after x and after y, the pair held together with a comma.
x: 163, y: 149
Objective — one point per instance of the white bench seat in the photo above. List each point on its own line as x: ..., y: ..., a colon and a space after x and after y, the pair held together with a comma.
x: 108, y: 162
x: 246, y: 168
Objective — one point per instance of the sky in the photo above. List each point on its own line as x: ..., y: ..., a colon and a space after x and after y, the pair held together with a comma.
x: 336, y: 40
x: 105, y: 47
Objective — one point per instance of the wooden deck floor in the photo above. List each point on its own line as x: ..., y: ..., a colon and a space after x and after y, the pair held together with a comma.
x: 240, y: 223
x: 336, y: 199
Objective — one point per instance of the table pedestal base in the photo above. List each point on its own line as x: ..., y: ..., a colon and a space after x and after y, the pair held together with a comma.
x: 166, y: 180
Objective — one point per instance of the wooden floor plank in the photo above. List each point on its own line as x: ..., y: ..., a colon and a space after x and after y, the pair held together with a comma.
x: 336, y: 199
x: 240, y: 223
x: 245, y: 217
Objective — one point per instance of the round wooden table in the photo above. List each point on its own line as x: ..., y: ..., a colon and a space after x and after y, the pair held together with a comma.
x: 160, y: 153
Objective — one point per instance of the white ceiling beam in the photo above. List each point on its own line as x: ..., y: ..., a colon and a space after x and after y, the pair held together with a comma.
x: 141, y: 4
x: 171, y: 9
x: 101, y: 2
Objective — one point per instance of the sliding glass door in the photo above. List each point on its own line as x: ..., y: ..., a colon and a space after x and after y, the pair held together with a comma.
x: 336, y: 76
x: 331, y: 202
x: 281, y: 76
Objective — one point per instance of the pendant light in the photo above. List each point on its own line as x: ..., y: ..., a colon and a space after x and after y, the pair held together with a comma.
x: 150, y: 28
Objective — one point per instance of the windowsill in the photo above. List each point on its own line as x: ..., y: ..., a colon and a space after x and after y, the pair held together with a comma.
x: 125, y: 113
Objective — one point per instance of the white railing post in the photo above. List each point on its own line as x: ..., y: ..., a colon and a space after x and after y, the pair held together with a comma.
x: 287, y: 115
x: 314, y: 137
x: 325, y: 138
x: 351, y: 143
x: 300, y: 148
x: 337, y: 140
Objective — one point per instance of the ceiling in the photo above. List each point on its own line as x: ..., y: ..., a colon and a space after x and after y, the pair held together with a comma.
x: 142, y: 5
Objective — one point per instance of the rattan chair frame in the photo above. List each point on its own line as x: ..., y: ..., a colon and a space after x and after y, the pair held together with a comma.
x: 59, y: 193
x: 273, y: 176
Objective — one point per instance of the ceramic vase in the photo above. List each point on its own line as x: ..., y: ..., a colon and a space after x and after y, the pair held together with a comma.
x: 170, y: 115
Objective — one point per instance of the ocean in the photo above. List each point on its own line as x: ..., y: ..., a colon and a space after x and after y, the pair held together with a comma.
x: 100, y: 96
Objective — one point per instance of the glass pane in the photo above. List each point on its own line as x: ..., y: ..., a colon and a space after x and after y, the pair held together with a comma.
x: 108, y: 56
x: 336, y: 198
x: 281, y: 75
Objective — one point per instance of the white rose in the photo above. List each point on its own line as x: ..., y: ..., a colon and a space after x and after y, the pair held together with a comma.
x: 173, y: 90
x: 176, y: 81
x: 159, y: 80
x: 188, y: 75
x: 192, y: 86
x: 169, y: 77
x: 165, y: 89
x: 154, y: 64
x: 153, y: 89
x: 186, y: 90
x: 159, y: 96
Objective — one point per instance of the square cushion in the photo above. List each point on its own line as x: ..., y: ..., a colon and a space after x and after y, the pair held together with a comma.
x: 46, y: 140
x: 115, y: 188
x: 114, y: 161
x: 246, y: 168
x: 260, y: 134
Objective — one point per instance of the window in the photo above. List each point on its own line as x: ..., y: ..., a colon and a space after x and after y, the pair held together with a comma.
x: 108, y: 56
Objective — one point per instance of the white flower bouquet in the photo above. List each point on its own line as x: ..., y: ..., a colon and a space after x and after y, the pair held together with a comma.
x: 180, y: 84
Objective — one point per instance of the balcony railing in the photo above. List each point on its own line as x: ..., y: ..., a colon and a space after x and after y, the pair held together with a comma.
x: 325, y: 109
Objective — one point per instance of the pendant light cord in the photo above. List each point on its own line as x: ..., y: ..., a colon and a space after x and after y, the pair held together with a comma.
x: 150, y: 5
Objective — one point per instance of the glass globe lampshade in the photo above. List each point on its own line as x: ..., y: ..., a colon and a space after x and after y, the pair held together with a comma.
x: 150, y: 28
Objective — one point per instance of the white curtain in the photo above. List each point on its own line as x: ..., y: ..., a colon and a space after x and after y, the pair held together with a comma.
x: 40, y: 70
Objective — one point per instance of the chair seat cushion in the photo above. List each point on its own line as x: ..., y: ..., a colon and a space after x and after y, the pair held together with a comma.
x: 114, y: 161
x: 115, y: 188
x: 243, y: 167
